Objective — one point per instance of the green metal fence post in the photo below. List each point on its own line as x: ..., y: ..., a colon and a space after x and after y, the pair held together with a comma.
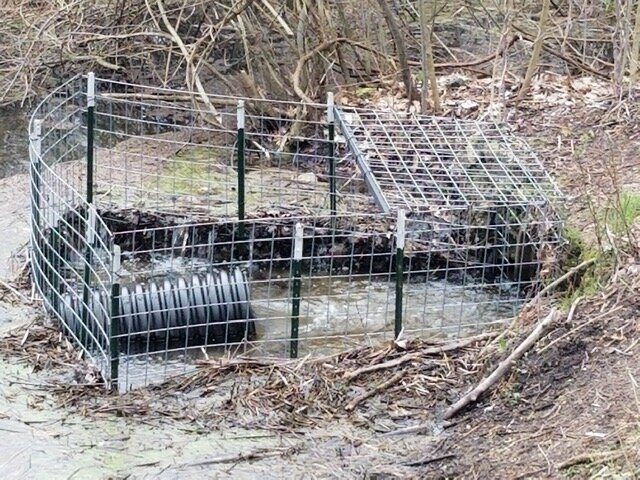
x: 400, y: 236
x: 91, y: 120
x: 241, y: 167
x: 56, y: 262
x: 86, y: 280
x: 114, y: 333
x: 295, y: 289
x: 331, y: 127
x: 90, y: 214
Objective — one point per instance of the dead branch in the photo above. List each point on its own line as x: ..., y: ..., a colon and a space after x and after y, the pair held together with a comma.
x: 428, y: 68
x: 560, y: 280
x: 472, y: 63
x: 374, y: 391
x: 537, y: 49
x: 15, y: 292
x: 504, y: 366
x: 188, y: 57
x: 567, y: 58
x: 401, y: 50
x: 428, y: 460
x: 239, y: 457
x: 413, y: 429
x: 595, y: 457
x: 409, y: 357
x: 572, y: 312
x: 297, y: 73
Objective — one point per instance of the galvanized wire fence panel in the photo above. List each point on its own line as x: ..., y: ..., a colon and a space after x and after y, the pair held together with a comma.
x: 426, y: 163
x: 240, y: 288
x: 71, y: 246
x: 168, y: 227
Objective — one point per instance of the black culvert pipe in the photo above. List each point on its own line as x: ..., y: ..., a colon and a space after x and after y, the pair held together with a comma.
x: 211, y: 308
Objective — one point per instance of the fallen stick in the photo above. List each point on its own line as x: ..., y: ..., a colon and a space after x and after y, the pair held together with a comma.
x: 595, y: 458
x: 239, y: 457
x: 572, y: 312
x: 381, y: 366
x: 422, y: 427
x: 427, y: 460
x: 377, y: 389
x: 447, y: 347
x: 559, y: 280
x: 531, y: 303
x: 504, y: 366
x: 14, y: 291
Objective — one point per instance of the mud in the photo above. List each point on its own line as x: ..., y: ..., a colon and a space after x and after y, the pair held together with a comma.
x: 14, y: 160
x: 13, y: 142
x: 48, y: 442
x: 41, y: 440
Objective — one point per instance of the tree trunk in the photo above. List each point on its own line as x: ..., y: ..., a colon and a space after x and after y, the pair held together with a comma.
x: 401, y: 50
x: 428, y: 68
x: 537, y: 49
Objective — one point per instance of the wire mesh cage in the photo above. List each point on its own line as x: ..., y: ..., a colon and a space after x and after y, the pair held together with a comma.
x: 168, y: 226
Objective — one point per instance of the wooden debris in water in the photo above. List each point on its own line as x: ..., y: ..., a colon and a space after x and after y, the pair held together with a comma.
x: 286, y: 395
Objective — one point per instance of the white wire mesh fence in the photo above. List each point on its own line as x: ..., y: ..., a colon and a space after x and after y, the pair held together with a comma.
x: 71, y: 246
x: 168, y: 227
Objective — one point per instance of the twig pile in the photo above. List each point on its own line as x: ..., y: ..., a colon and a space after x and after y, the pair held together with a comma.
x: 42, y: 346
x: 399, y: 380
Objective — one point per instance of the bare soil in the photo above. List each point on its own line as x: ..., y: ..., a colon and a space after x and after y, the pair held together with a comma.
x: 570, y: 410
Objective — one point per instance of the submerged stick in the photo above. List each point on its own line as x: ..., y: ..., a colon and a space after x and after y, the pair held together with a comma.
x: 504, y: 366
x: 240, y: 457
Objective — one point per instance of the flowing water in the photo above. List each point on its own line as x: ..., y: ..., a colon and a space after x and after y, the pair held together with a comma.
x: 336, y: 312
x: 340, y: 305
